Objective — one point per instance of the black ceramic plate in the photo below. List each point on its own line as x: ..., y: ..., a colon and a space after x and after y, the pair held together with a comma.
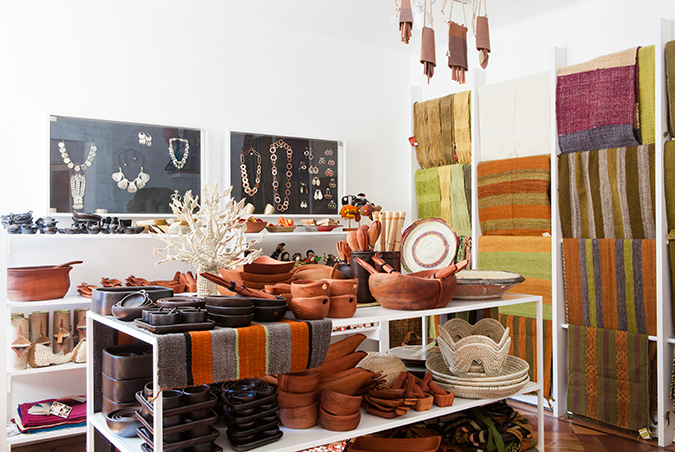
x: 257, y: 443
x: 245, y: 406
x: 181, y: 409
x: 178, y: 428
x: 176, y: 328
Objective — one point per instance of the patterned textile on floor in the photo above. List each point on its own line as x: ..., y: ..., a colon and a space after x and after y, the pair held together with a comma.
x: 514, y: 196
x: 670, y: 84
x: 461, y: 106
x: 461, y: 219
x: 596, y: 103
x: 611, y: 284
x: 608, y: 376
x: 433, y: 132
x: 523, y: 333
x: 669, y: 181
x: 608, y: 193
x: 515, y: 117
x: 528, y: 256
x: 427, y: 190
x: 646, y: 96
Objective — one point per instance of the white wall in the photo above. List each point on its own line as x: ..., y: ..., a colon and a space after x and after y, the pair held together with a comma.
x: 190, y: 63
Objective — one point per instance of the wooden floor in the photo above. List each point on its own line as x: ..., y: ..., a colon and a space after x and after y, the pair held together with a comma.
x: 563, y: 435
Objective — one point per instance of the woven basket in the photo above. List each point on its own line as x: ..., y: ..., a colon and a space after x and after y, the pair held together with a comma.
x: 389, y: 365
x: 468, y: 348
x: 473, y: 392
x: 513, y: 371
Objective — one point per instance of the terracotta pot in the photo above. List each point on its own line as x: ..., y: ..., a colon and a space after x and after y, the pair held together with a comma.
x: 339, y: 423
x: 265, y: 278
x: 316, y: 272
x: 342, y: 306
x: 342, y: 286
x: 305, y: 381
x: 278, y: 289
x: 267, y: 266
x: 311, y: 308
x: 296, y: 399
x: 339, y: 404
x: 412, y: 292
x: 307, y: 288
x: 37, y: 283
x: 302, y: 417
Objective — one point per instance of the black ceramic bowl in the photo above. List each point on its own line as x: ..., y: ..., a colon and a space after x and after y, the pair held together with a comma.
x: 127, y: 362
x: 181, y: 302
x: 123, y: 422
x: 264, y: 302
x: 122, y: 390
x: 193, y: 316
x: 269, y: 313
x: 145, y: 314
x: 226, y: 300
x: 231, y: 321
x: 126, y: 314
x: 103, y: 298
x: 164, y: 317
x: 108, y: 405
x: 230, y: 310
x: 196, y: 394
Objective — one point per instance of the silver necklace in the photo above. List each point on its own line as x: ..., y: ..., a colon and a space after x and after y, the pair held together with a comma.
x: 131, y: 186
x: 77, y: 183
x: 172, y: 152
x: 77, y: 180
x: 70, y: 163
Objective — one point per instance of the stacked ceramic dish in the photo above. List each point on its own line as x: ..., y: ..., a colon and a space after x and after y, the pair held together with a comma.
x: 239, y: 311
x: 299, y: 399
x: 126, y: 370
x: 262, y: 271
x: 251, y: 413
x: 474, y: 362
x: 187, y: 415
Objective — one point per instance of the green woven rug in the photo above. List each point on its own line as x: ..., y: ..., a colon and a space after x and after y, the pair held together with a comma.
x: 646, y: 97
x: 461, y: 221
x: 670, y: 84
x: 427, y: 190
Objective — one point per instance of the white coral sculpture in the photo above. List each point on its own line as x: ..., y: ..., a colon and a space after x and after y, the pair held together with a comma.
x: 213, y: 238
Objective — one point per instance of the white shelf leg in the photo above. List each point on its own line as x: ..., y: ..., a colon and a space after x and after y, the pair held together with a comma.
x: 540, y: 374
x: 384, y: 336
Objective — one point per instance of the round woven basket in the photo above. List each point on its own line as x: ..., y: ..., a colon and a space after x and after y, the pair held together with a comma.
x: 389, y: 365
x: 473, y: 392
x: 513, y: 372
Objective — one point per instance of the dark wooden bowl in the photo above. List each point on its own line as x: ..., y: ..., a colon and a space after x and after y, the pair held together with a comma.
x: 230, y: 310
x: 411, y: 292
x: 269, y: 313
x: 228, y: 300
x: 231, y: 321
x: 37, y: 283
x: 342, y: 306
x: 301, y: 417
x: 122, y: 390
x: 339, y: 404
x: 181, y: 302
x: 336, y: 423
x: 311, y: 308
x: 305, y: 381
x: 127, y: 362
x: 296, y: 399
x: 103, y: 298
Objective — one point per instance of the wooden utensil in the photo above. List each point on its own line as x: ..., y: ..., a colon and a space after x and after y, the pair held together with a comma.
x: 341, y: 249
x: 369, y: 268
x: 450, y: 270
x: 386, y: 267
x: 374, y: 233
x: 348, y: 252
x: 362, y: 239
x: 351, y: 240
x: 236, y: 287
x: 399, y: 231
x: 68, y: 264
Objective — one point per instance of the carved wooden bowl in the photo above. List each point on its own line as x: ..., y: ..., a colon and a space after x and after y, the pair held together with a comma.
x: 310, y: 308
x: 339, y: 404
x: 337, y: 423
x: 301, y: 417
x: 308, y: 288
x: 412, y: 292
x: 305, y: 381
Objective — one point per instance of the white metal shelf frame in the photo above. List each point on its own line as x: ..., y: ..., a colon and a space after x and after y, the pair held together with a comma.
x: 294, y: 440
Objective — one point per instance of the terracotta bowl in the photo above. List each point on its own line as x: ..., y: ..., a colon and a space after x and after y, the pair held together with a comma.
x: 253, y: 227
x: 411, y: 292
x: 301, y: 417
x: 310, y: 308
x: 305, y: 381
x: 225, y: 300
x: 343, y: 286
x: 235, y: 276
x: 371, y: 444
x: 296, y: 399
x: 37, y: 283
x: 306, y: 288
x: 339, y: 404
x: 267, y: 266
x: 342, y: 306
x: 277, y: 289
x: 339, y: 423
x: 264, y: 278
x: 316, y: 272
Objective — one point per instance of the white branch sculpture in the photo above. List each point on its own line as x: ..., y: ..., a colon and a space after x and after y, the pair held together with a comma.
x: 213, y: 239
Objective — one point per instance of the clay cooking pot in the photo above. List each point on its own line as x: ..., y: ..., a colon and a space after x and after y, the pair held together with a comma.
x: 306, y: 288
x: 311, y: 308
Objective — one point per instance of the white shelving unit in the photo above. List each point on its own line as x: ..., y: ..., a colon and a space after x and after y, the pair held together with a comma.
x: 294, y: 440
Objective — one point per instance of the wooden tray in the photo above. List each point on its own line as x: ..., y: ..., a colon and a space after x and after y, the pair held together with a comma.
x: 176, y: 328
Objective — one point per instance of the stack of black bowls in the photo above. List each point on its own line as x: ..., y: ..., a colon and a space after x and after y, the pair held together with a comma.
x: 126, y: 370
x: 251, y: 414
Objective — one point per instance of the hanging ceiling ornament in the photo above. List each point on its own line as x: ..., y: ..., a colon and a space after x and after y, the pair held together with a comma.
x: 482, y: 33
x: 457, y: 48
x: 405, y: 21
x: 428, y: 50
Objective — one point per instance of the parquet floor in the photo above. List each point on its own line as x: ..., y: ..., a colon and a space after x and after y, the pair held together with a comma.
x: 563, y: 435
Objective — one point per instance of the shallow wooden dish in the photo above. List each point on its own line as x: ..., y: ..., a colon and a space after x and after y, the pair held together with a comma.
x: 296, y: 399
x: 263, y: 278
x: 372, y: 444
x: 268, y: 266
x: 337, y: 423
x: 253, y: 227
x: 310, y: 308
x: 412, y: 292
x: 484, y: 284
x: 340, y: 404
x: 301, y: 417
x: 280, y: 228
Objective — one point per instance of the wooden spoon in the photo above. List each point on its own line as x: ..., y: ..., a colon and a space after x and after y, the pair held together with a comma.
x: 362, y: 239
x: 236, y: 287
x: 348, y: 252
x: 450, y: 270
x: 341, y: 249
x: 374, y: 233
x: 386, y: 267
x: 351, y: 240
x: 369, y: 268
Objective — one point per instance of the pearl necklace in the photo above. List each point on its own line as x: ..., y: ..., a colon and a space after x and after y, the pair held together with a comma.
x: 172, y: 152
x: 77, y: 180
x: 244, y: 172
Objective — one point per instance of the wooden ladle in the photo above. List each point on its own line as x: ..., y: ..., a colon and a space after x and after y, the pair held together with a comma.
x: 236, y: 287
x: 351, y: 240
x: 362, y: 239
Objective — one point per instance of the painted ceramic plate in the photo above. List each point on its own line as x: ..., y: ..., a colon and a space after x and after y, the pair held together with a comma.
x: 428, y: 244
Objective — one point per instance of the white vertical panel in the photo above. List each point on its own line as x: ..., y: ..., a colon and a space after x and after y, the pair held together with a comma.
x: 478, y: 81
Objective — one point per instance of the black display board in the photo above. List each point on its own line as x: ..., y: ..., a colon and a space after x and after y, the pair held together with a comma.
x: 313, y: 186
x: 121, y: 167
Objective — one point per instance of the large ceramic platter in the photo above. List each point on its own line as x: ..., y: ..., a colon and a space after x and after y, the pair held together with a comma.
x: 428, y: 244
x: 484, y: 284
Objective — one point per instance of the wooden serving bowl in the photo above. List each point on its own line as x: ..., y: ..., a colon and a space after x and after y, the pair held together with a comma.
x: 236, y: 276
x: 301, y: 417
x: 253, y: 227
x: 343, y: 286
x: 310, y: 308
x: 267, y: 266
x: 298, y: 382
x: 278, y: 289
x: 265, y: 278
x: 309, y: 288
x: 412, y: 292
x: 37, y: 283
x: 339, y: 404
x: 316, y: 272
x: 296, y: 399
x: 337, y: 423
x: 342, y: 306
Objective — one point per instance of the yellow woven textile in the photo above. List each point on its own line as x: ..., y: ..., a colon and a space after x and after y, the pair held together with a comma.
x: 445, y: 182
x: 462, y: 126
x: 646, y: 97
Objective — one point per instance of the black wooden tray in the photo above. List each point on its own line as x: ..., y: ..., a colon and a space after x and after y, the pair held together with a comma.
x: 176, y: 328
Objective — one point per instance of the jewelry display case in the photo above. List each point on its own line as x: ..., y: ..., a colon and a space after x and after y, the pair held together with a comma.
x: 295, y: 175
x: 121, y: 167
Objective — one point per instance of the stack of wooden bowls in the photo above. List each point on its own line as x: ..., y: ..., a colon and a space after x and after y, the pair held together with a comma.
x: 311, y: 299
x: 339, y: 412
x: 126, y: 370
x: 259, y: 273
x: 298, y: 399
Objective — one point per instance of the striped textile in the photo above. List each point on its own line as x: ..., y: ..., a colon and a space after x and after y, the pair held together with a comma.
x: 608, y: 193
x: 523, y: 333
x: 528, y: 256
x: 608, y: 376
x: 595, y: 103
x: 427, y: 191
x: 461, y: 218
x: 462, y: 126
x: 433, y: 126
x: 201, y: 357
x: 646, y: 96
x: 445, y: 184
x: 611, y: 284
x: 670, y: 84
x: 669, y: 181
x: 514, y: 196
x: 515, y: 117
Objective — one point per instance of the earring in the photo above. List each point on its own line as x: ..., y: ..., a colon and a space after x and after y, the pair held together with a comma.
x: 328, y: 152
x: 328, y: 195
x: 332, y: 205
x: 331, y: 184
x: 148, y: 140
x: 141, y: 138
x: 303, y: 167
x: 329, y: 172
x: 317, y: 195
x: 303, y: 188
x: 322, y: 160
x: 303, y: 204
x: 318, y: 182
x: 331, y: 162
x: 141, y: 179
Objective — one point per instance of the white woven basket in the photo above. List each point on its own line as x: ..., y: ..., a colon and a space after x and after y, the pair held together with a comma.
x: 513, y: 371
